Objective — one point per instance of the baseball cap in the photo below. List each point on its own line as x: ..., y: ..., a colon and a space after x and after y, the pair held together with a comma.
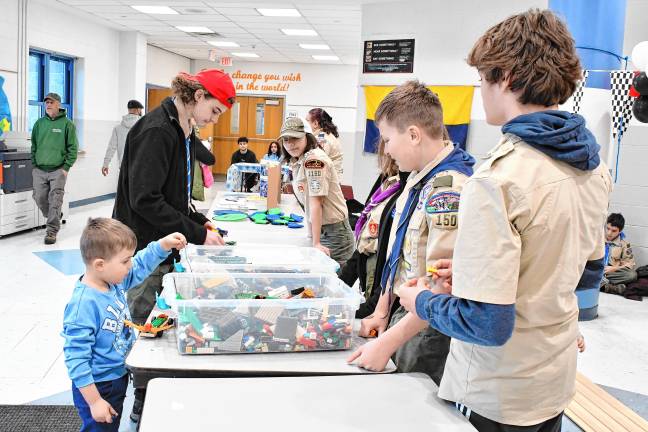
x: 293, y: 127
x: 216, y: 82
x: 132, y: 104
x: 53, y: 96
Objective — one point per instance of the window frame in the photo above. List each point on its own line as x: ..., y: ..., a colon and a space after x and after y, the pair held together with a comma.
x: 44, y: 58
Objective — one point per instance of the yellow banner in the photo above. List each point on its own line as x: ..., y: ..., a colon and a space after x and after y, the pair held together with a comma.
x: 455, y: 100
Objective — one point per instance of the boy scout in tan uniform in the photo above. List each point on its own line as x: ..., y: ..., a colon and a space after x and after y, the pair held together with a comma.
x: 410, y: 120
x: 314, y: 175
x: 530, y: 219
x: 430, y: 236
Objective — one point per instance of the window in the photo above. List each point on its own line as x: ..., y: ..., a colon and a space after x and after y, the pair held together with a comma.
x: 48, y: 73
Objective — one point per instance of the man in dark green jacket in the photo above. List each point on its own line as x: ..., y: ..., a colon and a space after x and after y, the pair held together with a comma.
x: 54, y: 148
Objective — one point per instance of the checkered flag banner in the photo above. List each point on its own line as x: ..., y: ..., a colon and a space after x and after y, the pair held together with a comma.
x: 578, y: 96
x: 621, y: 101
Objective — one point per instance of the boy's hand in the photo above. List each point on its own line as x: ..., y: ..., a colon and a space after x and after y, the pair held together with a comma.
x: 173, y: 241
x: 409, y: 291
x: 610, y: 269
x: 373, y: 356
x: 372, y: 322
x: 443, y: 276
x: 102, y: 412
x: 580, y: 341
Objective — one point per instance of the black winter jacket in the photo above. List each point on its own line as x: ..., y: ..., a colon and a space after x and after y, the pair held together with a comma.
x: 152, y: 189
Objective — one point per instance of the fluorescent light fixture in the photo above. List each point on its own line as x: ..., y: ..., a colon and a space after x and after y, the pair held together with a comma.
x: 325, y: 57
x: 155, y: 10
x: 245, y: 54
x: 315, y: 46
x: 299, y: 32
x: 279, y: 12
x: 218, y: 43
x: 194, y: 29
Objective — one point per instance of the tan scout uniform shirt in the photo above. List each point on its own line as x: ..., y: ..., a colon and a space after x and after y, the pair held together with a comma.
x: 367, y: 242
x: 431, y: 232
x: 621, y: 254
x: 528, y: 226
x: 314, y: 175
x: 333, y: 149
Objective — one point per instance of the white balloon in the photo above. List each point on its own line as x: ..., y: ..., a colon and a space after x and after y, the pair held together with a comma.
x: 640, y: 55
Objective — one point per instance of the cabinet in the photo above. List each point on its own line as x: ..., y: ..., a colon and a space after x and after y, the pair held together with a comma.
x: 19, y: 212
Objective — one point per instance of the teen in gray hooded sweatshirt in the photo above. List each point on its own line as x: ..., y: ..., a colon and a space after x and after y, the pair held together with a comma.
x: 118, y: 138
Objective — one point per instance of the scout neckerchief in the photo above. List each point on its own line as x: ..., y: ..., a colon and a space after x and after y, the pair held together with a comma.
x: 378, y: 197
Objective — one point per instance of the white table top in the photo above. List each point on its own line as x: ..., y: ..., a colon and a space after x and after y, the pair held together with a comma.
x: 393, y: 402
x: 247, y: 232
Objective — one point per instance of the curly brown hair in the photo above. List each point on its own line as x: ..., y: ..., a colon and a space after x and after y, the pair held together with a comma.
x: 185, y: 89
x: 535, y: 51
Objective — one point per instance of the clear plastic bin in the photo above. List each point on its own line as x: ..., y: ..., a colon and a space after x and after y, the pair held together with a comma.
x: 256, y: 259
x: 219, y: 314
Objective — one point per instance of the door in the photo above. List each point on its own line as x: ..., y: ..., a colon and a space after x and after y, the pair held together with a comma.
x: 258, y: 118
x: 154, y: 97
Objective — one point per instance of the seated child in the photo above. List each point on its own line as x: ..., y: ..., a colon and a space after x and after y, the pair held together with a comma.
x: 96, y: 339
x: 619, y: 260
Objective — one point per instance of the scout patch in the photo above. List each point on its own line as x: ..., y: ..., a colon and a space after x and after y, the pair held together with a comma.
x: 315, y: 186
x: 443, y: 209
x: 314, y: 164
x: 313, y: 173
x: 300, y: 188
x: 444, y: 202
x: 373, y: 228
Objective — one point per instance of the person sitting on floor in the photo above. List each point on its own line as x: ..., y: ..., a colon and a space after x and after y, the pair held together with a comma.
x: 619, y: 260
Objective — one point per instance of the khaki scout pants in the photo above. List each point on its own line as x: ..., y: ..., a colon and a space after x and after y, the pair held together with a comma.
x: 426, y: 352
x: 49, y: 188
x: 339, y: 239
x: 141, y: 298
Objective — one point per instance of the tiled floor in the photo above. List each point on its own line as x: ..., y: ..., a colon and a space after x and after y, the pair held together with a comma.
x: 33, y: 294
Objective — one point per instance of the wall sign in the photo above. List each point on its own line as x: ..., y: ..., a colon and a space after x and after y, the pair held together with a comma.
x: 388, y: 56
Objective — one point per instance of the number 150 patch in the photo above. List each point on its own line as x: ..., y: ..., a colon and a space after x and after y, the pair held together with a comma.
x: 443, y: 209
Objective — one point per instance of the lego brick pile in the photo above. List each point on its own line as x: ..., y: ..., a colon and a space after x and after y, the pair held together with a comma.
x: 254, y: 316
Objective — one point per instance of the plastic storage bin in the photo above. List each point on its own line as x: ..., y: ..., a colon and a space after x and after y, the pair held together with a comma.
x: 253, y: 313
x: 256, y: 259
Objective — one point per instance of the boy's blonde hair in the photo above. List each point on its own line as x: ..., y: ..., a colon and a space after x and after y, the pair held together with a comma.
x: 535, y: 51
x: 104, y: 238
x: 412, y: 103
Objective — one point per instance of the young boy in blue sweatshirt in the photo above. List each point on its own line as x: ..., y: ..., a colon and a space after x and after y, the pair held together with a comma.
x: 96, y: 339
x: 530, y: 220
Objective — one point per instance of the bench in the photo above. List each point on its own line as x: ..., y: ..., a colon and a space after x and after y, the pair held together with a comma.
x: 595, y: 410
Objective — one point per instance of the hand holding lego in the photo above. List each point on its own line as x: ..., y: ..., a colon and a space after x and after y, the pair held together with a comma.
x: 102, y: 411
x: 442, y: 276
x: 372, y: 356
x: 580, y: 342
x: 373, y: 323
x: 173, y: 241
x: 213, y: 238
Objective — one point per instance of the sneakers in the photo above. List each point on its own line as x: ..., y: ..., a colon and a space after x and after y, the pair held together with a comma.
x: 136, y: 413
x: 50, y: 238
x: 614, y: 289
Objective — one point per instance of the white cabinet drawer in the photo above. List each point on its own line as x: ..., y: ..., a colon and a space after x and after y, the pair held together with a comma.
x: 16, y: 203
x: 16, y: 222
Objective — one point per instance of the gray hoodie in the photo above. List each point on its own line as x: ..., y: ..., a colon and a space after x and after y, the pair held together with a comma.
x: 118, y: 139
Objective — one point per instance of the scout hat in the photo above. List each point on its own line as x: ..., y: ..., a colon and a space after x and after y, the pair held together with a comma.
x: 293, y: 127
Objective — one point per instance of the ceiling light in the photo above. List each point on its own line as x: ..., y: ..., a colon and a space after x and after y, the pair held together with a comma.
x: 315, y: 46
x: 299, y: 32
x: 194, y: 29
x: 223, y: 43
x: 325, y: 57
x: 155, y: 10
x: 245, y: 54
x: 279, y: 12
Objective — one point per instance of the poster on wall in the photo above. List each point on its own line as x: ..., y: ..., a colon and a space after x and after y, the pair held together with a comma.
x: 388, y: 56
x: 5, y: 113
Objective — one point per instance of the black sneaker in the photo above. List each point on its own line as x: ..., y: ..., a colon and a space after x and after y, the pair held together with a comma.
x: 136, y: 413
x: 50, y: 238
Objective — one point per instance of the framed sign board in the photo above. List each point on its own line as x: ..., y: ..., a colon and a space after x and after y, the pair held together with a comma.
x: 388, y: 56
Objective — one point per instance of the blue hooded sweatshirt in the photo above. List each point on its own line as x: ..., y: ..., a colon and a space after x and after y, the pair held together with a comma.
x: 564, y: 137
x: 96, y: 339
x: 558, y: 134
